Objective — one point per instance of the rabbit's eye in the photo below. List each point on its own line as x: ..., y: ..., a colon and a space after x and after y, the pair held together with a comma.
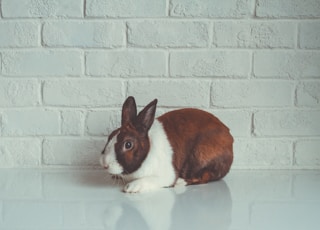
x: 128, y: 145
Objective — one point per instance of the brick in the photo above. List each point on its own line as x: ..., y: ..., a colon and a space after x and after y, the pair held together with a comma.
x: 211, y: 8
x: 287, y: 123
x: 125, y: 8
x: 72, y: 122
x: 42, y: 8
x: 19, y: 92
x: 78, y: 151
x: 257, y: 34
x: 307, y: 154
x: 42, y: 62
x: 32, y: 122
x: 210, y: 63
x: 231, y: 119
x: 102, y: 123
x: 288, y: 8
x: 286, y: 64
x: 308, y: 94
x: 262, y: 153
x: 176, y: 93
x: 168, y: 34
x: 309, y: 35
x: 20, y: 152
x: 19, y: 34
x: 126, y: 63
x: 84, y: 34
x: 248, y: 93
x: 91, y: 92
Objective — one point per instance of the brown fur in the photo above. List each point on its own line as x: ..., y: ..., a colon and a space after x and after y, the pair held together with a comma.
x: 201, y: 143
x: 134, y: 128
x: 131, y: 159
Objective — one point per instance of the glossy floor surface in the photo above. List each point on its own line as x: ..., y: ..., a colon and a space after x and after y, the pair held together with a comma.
x: 89, y: 199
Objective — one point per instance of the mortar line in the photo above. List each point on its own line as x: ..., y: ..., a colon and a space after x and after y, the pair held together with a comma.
x: 168, y: 64
x: 42, y: 43
x: 252, y: 126
x: 126, y: 35
x: 168, y: 3
x: 294, y: 162
x: 84, y: 8
x: 42, y: 152
x: 1, y: 15
x: 254, y: 6
x: 297, y: 37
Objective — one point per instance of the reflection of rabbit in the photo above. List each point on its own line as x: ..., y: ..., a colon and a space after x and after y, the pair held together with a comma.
x: 176, y: 208
x: 112, y: 216
x: 145, y: 211
x: 188, y: 145
x: 204, y: 206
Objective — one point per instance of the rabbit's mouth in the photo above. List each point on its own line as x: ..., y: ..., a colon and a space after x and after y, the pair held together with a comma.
x: 114, y: 168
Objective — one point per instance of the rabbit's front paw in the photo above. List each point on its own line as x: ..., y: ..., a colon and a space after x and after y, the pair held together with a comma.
x: 140, y: 185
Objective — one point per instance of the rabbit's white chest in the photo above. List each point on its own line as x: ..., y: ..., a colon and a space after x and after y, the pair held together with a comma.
x: 158, y: 163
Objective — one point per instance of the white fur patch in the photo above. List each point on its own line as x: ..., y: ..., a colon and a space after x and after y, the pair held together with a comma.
x: 157, y: 169
x: 108, y: 160
x: 180, y: 182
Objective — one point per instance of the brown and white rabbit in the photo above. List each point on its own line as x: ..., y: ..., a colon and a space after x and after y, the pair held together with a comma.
x: 186, y: 146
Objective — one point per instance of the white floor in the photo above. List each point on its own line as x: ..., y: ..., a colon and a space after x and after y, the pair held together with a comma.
x: 88, y: 199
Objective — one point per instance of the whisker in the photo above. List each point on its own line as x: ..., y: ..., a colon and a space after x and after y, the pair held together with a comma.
x: 107, y: 177
x: 123, y: 180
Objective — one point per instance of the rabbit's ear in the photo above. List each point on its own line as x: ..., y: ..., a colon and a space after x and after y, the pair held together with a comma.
x: 129, y: 111
x: 146, y: 116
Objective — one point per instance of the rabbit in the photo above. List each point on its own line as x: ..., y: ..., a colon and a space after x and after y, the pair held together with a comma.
x: 181, y: 147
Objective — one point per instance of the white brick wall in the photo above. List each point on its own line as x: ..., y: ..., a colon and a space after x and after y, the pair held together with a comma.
x: 89, y: 34
x: 42, y: 62
x: 67, y: 66
x: 168, y: 33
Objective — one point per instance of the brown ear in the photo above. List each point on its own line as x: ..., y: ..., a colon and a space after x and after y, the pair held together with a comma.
x: 146, y: 116
x: 129, y: 111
